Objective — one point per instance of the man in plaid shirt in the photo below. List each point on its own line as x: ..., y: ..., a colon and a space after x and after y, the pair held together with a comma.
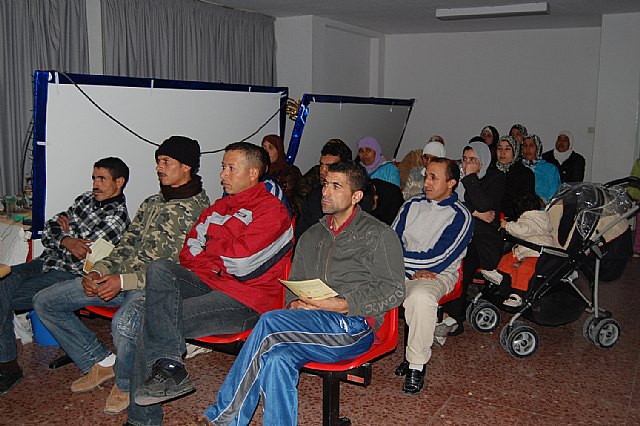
x: 157, y: 231
x: 67, y: 238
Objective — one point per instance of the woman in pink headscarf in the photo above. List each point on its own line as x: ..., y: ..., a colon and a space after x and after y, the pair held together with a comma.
x: 370, y: 155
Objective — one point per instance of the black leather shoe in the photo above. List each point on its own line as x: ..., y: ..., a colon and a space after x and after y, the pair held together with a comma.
x: 9, y: 377
x: 414, y: 381
x: 402, y: 368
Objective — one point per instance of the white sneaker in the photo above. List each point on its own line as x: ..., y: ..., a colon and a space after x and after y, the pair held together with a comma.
x: 22, y: 328
x: 572, y: 276
x: 445, y: 327
x: 439, y: 340
x: 193, y: 350
x: 513, y: 301
x: 492, y: 276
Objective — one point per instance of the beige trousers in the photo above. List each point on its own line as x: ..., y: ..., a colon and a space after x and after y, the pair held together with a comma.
x: 421, y: 315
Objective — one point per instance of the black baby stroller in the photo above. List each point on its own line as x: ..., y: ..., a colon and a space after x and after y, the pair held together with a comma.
x: 587, y: 218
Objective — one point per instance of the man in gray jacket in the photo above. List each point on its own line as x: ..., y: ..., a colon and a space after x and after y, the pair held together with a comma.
x: 356, y: 255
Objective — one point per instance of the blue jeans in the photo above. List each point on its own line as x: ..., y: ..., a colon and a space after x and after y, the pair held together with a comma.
x: 16, y: 293
x: 179, y: 306
x: 56, y: 305
x: 269, y: 363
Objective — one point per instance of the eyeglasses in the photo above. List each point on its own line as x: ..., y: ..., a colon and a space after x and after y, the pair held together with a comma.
x: 470, y: 160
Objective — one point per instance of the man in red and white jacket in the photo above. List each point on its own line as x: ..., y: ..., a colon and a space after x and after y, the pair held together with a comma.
x: 228, y: 276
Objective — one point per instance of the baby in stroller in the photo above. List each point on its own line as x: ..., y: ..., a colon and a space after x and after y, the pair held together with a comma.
x: 518, y: 266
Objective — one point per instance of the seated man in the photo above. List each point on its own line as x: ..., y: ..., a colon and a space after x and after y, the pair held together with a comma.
x: 157, y: 232
x: 434, y: 230
x: 66, y: 238
x: 357, y: 256
x: 227, y: 277
x: 310, y: 184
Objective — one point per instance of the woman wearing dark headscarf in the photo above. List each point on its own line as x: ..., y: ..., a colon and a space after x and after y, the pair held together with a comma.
x: 519, y: 179
x: 570, y: 164
x: 490, y: 136
x: 481, y: 190
x: 547, y: 175
x: 518, y: 132
x: 370, y: 155
x: 285, y: 174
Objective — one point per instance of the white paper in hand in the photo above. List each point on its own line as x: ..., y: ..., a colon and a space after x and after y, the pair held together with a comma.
x: 100, y: 249
x: 312, y: 289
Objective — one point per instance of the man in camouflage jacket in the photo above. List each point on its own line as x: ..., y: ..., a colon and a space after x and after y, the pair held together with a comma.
x: 157, y: 232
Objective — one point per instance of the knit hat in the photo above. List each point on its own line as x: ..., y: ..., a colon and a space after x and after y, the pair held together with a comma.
x: 183, y: 149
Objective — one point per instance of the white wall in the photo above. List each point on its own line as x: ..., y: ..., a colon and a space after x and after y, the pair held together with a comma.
x: 294, y: 60
x: 544, y: 79
x: 317, y: 55
x: 616, y: 136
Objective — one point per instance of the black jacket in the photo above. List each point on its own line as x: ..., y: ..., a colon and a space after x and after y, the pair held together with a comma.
x: 572, y: 170
x: 519, y: 180
x: 483, y: 195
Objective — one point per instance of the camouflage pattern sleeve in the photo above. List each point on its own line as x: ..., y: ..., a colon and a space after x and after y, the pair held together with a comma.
x: 126, y: 246
x: 166, y: 236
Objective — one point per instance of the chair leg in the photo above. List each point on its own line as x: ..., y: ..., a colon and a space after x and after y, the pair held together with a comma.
x: 331, y: 401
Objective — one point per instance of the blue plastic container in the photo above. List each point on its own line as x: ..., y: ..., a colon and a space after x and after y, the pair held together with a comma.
x: 41, y: 335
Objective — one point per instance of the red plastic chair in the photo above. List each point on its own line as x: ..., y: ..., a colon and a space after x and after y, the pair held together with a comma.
x: 103, y: 311
x: 218, y: 339
x: 356, y: 370
x: 238, y: 338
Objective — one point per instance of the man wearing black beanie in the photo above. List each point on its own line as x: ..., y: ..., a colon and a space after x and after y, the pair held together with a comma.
x: 157, y: 232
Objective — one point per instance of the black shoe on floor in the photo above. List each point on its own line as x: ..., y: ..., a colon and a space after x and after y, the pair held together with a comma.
x: 9, y: 377
x: 402, y: 368
x: 168, y: 379
x: 414, y: 381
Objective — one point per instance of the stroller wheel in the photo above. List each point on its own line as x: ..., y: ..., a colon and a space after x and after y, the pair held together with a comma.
x: 522, y: 341
x: 606, y: 333
x: 484, y: 317
x: 503, y: 337
x: 588, y: 328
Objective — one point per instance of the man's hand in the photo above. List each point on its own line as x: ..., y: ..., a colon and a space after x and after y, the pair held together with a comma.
x: 334, y: 304
x: 63, y: 221
x: 485, y: 216
x: 108, y: 287
x: 503, y: 223
x: 423, y: 274
x: 89, y: 285
x: 77, y: 247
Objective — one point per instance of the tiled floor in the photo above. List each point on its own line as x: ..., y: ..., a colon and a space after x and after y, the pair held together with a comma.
x: 472, y: 380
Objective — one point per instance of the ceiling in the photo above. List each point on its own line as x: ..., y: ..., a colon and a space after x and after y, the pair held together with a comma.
x: 418, y: 16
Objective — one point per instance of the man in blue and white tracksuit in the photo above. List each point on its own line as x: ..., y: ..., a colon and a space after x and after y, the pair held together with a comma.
x: 434, y: 230
x: 357, y: 256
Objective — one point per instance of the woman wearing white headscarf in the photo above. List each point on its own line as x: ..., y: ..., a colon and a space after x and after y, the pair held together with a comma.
x: 481, y: 189
x: 570, y: 164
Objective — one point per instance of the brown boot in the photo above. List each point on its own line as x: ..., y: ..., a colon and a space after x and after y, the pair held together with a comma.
x: 117, y: 402
x: 95, y: 377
